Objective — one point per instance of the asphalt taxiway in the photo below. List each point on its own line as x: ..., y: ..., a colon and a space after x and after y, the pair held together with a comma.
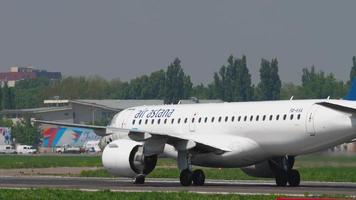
x: 211, y: 186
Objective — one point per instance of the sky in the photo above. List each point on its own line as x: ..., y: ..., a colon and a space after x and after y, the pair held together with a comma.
x: 126, y: 39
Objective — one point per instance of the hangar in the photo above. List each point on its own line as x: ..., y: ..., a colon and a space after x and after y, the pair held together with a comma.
x: 85, y: 111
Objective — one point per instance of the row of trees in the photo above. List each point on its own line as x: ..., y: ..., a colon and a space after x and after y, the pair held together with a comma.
x: 232, y: 82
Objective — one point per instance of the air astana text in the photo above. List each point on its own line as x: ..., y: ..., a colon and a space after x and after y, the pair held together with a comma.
x: 160, y: 113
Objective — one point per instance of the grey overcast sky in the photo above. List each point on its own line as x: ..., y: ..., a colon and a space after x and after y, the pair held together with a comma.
x: 125, y: 39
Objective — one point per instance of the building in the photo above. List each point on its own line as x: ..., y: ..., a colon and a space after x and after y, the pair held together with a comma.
x: 18, y: 73
x: 85, y: 111
x: 61, y: 114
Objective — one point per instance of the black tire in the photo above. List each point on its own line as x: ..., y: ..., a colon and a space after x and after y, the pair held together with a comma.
x: 294, y: 178
x: 281, y: 179
x: 139, y: 180
x: 198, y: 177
x: 186, y: 177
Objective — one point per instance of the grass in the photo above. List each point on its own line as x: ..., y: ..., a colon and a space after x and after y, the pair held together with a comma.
x: 44, y: 161
x: 54, y: 194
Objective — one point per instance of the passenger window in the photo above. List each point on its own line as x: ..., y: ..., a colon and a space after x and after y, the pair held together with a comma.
x: 226, y: 118
x: 165, y: 121
x: 185, y: 120
x: 298, y: 117
x: 152, y: 121
x: 206, y: 119
x: 178, y: 120
x: 233, y: 118
x: 158, y: 121
x: 284, y: 117
x: 291, y: 117
x: 199, y: 119
x: 193, y: 119
x: 264, y: 117
x: 139, y: 122
x: 245, y: 118
x: 251, y: 118
x: 133, y: 122
x: 239, y: 119
x: 257, y: 117
x: 277, y: 117
x: 270, y: 117
x: 172, y: 121
x: 146, y: 121
x: 212, y: 119
x: 219, y: 119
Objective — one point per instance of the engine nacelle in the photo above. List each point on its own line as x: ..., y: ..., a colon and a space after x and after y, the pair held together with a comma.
x: 125, y: 158
x: 262, y: 170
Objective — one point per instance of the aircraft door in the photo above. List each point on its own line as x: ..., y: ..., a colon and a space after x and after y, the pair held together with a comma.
x: 309, y: 124
x: 125, y: 118
x: 192, y: 121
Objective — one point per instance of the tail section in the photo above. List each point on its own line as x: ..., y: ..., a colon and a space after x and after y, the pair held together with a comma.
x: 352, y: 91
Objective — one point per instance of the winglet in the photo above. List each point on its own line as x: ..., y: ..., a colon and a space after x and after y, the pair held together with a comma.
x: 352, y: 91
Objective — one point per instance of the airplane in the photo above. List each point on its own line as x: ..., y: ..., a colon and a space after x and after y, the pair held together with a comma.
x: 262, y: 138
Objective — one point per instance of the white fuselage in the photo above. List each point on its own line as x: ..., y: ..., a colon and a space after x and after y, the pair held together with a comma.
x: 271, y: 128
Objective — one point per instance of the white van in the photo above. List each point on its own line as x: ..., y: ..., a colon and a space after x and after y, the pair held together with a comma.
x: 25, y: 149
x: 92, y: 146
x: 7, y: 149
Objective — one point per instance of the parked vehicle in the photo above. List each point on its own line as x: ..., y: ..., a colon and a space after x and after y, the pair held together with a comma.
x: 25, y: 149
x: 7, y: 149
x: 92, y: 146
x: 69, y: 149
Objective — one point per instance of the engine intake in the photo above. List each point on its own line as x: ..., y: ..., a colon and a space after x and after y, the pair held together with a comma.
x: 125, y: 158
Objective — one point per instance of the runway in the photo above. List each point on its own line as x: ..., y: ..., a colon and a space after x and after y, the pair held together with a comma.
x: 211, y: 186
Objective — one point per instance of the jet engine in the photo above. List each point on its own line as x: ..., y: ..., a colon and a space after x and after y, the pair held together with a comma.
x: 125, y: 158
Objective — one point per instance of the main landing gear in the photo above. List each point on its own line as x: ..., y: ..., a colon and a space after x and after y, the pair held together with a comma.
x: 187, y: 176
x: 139, y: 179
x: 284, y: 172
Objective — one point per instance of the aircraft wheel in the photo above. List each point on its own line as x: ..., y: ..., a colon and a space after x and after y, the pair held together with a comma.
x: 198, y: 177
x: 186, y: 177
x: 281, y: 179
x: 140, y: 179
x: 294, y: 178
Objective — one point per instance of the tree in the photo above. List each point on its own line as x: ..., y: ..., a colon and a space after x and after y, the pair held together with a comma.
x: 270, y: 83
x: 201, y: 92
x: 157, y: 84
x: 316, y: 85
x: 233, y: 82
x: 26, y: 133
x: 29, y: 93
x: 177, y: 84
x: 353, y: 69
x: 7, y: 97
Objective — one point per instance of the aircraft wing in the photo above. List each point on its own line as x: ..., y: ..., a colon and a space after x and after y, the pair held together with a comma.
x: 205, y: 143
x: 347, y: 107
x: 99, y: 130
